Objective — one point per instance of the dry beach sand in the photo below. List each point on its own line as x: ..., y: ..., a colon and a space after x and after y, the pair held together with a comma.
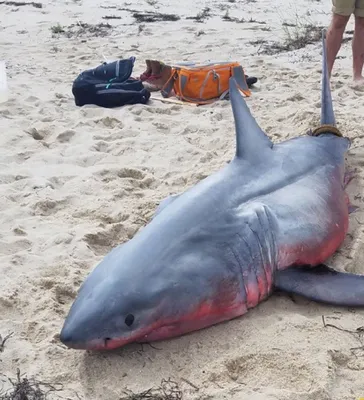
x: 76, y: 182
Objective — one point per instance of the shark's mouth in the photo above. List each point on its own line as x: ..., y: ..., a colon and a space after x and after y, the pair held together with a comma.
x: 144, y: 335
x: 108, y: 343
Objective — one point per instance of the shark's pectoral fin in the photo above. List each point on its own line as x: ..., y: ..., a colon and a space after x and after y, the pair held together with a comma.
x: 164, y: 203
x: 322, y: 284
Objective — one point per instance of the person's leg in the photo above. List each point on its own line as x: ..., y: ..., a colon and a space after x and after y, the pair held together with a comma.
x: 334, y: 38
x: 358, y: 42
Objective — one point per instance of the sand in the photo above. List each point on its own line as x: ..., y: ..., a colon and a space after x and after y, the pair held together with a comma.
x: 75, y: 182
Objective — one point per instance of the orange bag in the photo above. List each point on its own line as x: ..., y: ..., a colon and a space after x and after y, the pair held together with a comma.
x: 204, y: 83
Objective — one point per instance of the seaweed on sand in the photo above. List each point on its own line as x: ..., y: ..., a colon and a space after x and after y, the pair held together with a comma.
x: 28, y: 389
x: 22, y: 3
x: 152, y: 16
x: 168, y: 390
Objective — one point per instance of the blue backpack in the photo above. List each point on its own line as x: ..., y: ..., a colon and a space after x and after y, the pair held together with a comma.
x: 109, y: 85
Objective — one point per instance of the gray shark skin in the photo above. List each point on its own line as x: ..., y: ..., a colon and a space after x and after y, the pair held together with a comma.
x: 220, y: 248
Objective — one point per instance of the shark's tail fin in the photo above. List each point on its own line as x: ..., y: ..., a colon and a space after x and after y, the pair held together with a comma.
x: 328, y: 123
x: 327, y: 110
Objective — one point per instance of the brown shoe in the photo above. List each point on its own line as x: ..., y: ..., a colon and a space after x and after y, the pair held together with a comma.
x: 160, y: 75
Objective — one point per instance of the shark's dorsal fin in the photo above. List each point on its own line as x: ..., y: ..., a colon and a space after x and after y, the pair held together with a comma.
x: 250, y: 138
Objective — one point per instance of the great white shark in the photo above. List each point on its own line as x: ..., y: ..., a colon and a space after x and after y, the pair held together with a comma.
x: 268, y: 219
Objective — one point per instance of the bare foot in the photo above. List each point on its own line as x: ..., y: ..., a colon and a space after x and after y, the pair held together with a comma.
x: 358, y: 84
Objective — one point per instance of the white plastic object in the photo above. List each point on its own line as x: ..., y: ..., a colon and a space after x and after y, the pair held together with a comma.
x: 4, y: 89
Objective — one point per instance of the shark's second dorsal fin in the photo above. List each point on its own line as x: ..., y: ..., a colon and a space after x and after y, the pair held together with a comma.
x: 250, y: 138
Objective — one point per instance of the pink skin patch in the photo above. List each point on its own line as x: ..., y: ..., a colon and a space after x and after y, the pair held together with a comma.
x: 226, y: 305
x: 257, y: 293
x: 252, y: 294
x: 204, y: 316
x: 262, y: 288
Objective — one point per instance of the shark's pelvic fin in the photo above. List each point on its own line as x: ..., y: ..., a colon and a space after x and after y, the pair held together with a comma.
x: 322, y: 284
x: 250, y: 138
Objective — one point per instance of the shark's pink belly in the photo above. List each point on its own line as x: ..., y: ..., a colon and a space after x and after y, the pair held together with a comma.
x: 228, y: 303
x: 202, y: 318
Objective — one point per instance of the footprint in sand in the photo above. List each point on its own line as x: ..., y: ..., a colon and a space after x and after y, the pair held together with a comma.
x: 291, y: 75
x: 176, y: 108
x: 48, y: 207
x: 358, y: 87
x: 58, y: 181
x: 19, y: 245
x: 60, y: 99
x: 38, y: 133
x: 64, y: 294
x: 217, y: 116
x: 100, y: 146
x: 19, y: 231
x: 66, y: 136
x: 338, y: 84
x: 343, y: 93
x: 356, y: 254
x: 9, y: 305
x: 103, y: 241
x: 109, y: 122
x: 159, y: 110
x: 91, y: 112
x: 131, y: 173
x: 135, y: 110
x: 296, y: 97
x: 161, y: 126
x: 31, y: 99
x: 346, y: 366
x: 108, y: 175
x: 277, y: 365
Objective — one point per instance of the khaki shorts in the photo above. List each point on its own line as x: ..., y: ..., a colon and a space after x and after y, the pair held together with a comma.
x: 348, y: 7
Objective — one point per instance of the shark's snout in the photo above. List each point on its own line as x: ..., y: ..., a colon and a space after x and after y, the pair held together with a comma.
x: 93, y: 332
x: 69, y: 338
x: 74, y: 341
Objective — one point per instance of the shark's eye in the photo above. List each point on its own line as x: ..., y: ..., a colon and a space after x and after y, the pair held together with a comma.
x: 129, y: 319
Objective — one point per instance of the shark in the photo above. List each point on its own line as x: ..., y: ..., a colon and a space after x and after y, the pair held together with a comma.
x: 267, y: 220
